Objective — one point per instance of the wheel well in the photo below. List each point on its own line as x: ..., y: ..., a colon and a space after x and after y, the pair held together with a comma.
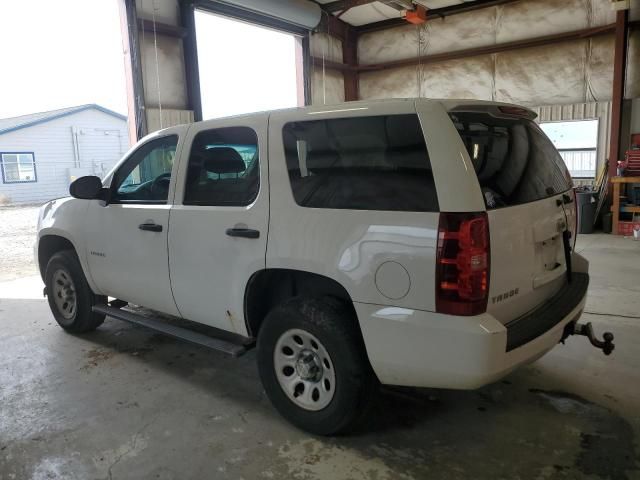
x: 48, y: 246
x: 267, y: 289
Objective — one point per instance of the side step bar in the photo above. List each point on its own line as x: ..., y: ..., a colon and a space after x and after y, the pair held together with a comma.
x: 235, y: 349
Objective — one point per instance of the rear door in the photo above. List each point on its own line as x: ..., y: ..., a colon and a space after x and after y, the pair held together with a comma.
x: 530, y: 203
x: 353, y: 198
x: 218, y: 225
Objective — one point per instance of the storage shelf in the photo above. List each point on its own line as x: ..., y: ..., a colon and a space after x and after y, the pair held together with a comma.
x: 630, y: 208
x: 620, y: 202
x: 625, y: 180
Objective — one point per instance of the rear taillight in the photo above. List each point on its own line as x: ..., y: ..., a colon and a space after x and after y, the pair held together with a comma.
x: 462, y: 271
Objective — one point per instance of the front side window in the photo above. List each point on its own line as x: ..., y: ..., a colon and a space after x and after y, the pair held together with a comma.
x: 360, y: 163
x: 223, y: 168
x: 18, y: 167
x: 145, y: 176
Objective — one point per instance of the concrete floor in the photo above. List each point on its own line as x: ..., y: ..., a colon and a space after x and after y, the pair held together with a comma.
x: 125, y: 403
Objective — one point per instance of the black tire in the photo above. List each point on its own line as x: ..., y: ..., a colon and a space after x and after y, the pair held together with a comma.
x: 334, y: 325
x: 82, y: 318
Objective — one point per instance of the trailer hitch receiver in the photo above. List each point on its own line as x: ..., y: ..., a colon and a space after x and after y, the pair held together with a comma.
x: 586, y: 329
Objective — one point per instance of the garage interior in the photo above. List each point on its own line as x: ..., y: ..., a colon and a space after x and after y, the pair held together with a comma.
x: 124, y: 402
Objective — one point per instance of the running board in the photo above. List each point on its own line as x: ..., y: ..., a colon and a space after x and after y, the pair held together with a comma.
x: 234, y: 349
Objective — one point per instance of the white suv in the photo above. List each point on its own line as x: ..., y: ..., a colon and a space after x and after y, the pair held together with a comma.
x: 410, y: 242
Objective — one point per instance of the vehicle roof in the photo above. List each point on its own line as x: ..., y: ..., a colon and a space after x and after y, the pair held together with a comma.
x: 448, y: 104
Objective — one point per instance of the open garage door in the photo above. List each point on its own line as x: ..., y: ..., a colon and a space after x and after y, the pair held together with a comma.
x: 251, y: 54
x: 244, y: 67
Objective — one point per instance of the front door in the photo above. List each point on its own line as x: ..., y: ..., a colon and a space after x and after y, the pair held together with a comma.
x: 218, y: 225
x: 126, y: 241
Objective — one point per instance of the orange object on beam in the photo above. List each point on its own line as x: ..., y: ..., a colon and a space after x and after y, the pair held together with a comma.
x: 416, y: 16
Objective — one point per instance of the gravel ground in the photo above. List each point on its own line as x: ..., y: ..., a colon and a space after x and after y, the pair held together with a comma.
x: 17, y: 236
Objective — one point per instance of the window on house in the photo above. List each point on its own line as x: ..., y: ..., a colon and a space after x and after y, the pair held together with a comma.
x: 18, y: 167
x: 577, y: 143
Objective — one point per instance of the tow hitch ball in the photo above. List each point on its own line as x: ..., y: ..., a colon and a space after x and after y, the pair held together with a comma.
x: 586, y: 329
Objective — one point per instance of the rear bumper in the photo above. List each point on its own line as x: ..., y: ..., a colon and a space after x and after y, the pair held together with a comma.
x: 427, y: 349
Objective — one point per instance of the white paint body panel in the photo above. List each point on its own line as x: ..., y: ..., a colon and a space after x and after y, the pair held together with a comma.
x: 60, y: 218
x: 126, y: 262
x: 129, y: 263
x: 348, y: 246
x: 384, y: 260
x: 427, y: 349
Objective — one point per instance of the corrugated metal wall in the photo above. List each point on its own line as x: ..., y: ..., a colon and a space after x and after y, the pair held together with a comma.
x: 580, y: 163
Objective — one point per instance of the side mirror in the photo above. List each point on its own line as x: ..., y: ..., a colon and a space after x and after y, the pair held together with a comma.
x: 87, y: 188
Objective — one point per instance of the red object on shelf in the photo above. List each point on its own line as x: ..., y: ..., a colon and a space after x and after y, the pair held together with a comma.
x: 635, y: 140
x: 632, y: 157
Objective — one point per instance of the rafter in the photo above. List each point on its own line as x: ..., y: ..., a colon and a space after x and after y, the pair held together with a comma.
x: 344, y: 5
x: 434, y: 13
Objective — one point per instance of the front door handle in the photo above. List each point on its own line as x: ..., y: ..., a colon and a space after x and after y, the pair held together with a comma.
x: 243, y: 232
x: 151, y: 227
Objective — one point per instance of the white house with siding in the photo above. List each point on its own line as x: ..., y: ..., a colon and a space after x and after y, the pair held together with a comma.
x: 41, y: 153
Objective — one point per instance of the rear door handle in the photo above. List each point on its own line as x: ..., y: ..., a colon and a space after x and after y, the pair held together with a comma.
x: 243, y: 232
x: 151, y: 227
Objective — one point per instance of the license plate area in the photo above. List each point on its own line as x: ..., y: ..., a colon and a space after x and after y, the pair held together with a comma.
x: 551, y: 253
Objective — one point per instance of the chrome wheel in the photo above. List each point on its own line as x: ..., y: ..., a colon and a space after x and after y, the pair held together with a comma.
x: 304, y: 369
x: 64, y: 294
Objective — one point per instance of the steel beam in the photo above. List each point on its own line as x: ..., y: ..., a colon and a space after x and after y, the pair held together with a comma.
x: 343, y: 5
x: 133, y: 70
x: 333, y: 26
x: 161, y: 28
x: 303, y: 63
x: 192, y: 70
x: 348, y: 35
x: 331, y: 65
x: 350, y: 58
x: 617, y: 94
x: 472, y: 52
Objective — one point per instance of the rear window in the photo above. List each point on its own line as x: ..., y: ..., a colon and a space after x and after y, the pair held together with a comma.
x: 362, y: 163
x: 515, y: 161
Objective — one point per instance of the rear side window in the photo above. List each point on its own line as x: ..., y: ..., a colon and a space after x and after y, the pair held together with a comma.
x: 223, y: 168
x: 362, y: 163
x: 515, y: 161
